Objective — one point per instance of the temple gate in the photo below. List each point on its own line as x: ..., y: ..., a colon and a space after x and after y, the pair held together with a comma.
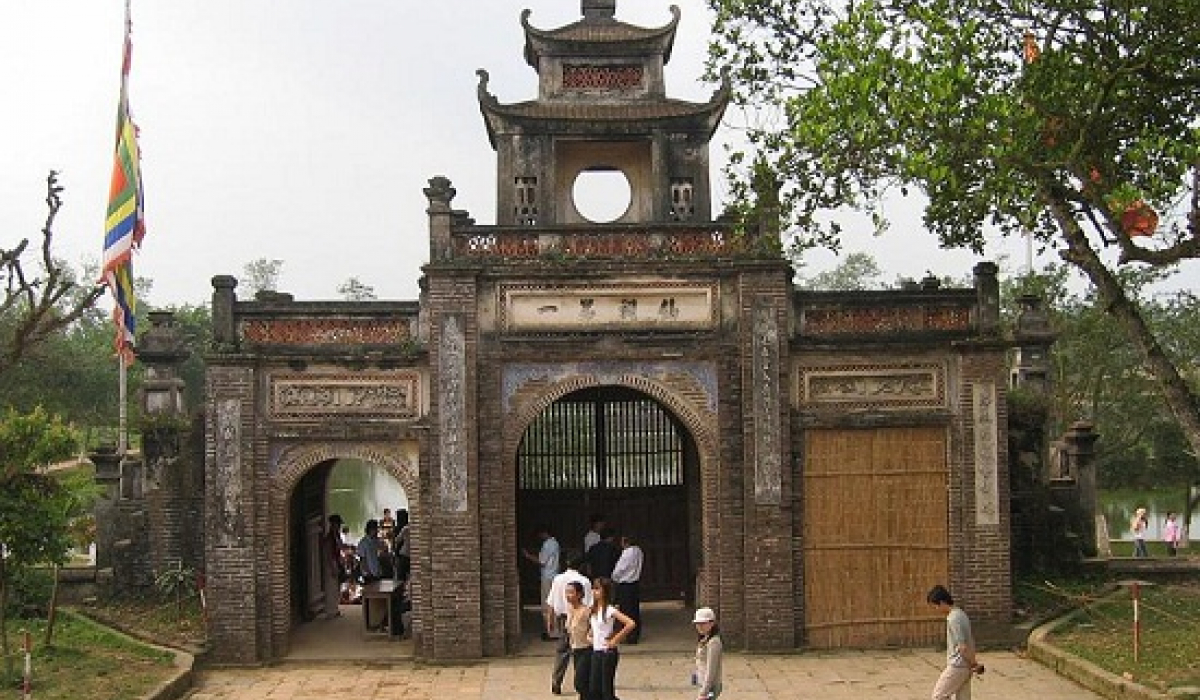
x: 807, y: 463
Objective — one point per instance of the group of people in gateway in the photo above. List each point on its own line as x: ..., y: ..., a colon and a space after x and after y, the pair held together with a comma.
x: 382, y: 553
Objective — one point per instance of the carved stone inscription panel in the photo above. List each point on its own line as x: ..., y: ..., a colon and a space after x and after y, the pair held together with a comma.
x: 768, y: 479
x: 228, y: 481
x: 452, y: 415
x: 390, y: 395
x: 663, y: 306
x: 874, y: 386
x: 987, y: 461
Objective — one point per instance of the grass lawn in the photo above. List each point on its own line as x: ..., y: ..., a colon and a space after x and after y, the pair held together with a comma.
x: 1169, y: 654
x: 86, y: 660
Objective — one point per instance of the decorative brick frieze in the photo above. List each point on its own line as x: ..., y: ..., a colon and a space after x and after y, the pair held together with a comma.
x: 883, y: 320
x: 328, y: 330
x: 648, y: 243
x: 602, y: 78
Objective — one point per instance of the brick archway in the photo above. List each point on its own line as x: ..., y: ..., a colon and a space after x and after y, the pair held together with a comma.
x: 699, y: 423
x: 289, y: 468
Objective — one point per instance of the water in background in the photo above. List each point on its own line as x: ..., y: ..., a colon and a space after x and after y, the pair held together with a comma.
x: 1118, y: 512
x: 359, y: 491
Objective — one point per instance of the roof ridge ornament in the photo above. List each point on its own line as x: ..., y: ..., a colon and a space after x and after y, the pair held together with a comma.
x: 598, y: 9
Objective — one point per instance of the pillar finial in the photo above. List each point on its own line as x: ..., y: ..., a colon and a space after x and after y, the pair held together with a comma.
x: 596, y: 9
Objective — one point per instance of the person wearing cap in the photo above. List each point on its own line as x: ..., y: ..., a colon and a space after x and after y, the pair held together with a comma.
x: 709, y: 649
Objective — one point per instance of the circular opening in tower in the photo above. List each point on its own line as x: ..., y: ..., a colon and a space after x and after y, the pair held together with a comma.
x: 602, y: 195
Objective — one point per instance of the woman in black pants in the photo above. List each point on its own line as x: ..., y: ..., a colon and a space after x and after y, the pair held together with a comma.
x: 606, y: 639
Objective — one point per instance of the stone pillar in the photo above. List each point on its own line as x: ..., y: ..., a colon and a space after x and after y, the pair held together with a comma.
x: 440, y: 193
x: 108, y: 477
x: 987, y: 305
x: 172, y: 494
x: 224, y: 323
x: 1079, y: 467
x: 1034, y: 338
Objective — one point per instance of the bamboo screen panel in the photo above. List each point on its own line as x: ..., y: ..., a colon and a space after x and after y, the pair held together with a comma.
x: 875, y: 535
x: 601, y: 440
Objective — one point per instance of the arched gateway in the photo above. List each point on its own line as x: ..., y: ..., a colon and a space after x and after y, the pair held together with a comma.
x: 817, y: 460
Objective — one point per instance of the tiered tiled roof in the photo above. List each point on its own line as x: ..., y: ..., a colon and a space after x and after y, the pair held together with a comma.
x: 599, y: 34
x: 677, y: 114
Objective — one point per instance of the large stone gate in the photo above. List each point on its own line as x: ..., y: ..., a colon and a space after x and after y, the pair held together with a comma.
x: 820, y: 460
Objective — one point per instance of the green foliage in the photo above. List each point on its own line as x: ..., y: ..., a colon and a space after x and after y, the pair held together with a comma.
x: 855, y: 272
x: 1048, y: 117
x: 28, y: 591
x: 29, y: 441
x: 1027, y: 409
x: 1169, y: 617
x: 935, y: 95
x: 176, y: 582
x: 1097, y: 375
x: 89, y: 661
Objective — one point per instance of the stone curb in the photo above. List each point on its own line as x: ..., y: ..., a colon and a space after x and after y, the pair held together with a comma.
x: 172, y: 688
x: 1083, y: 672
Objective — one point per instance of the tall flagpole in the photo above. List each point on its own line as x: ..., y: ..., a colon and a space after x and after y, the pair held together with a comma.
x: 124, y: 227
x: 123, y: 407
x: 122, y: 363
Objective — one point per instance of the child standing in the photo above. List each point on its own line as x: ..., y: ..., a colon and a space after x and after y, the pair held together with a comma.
x: 1171, y: 534
x: 1139, y: 525
x: 709, y: 649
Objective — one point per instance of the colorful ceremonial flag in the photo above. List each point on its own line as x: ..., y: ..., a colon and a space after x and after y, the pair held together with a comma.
x: 125, y: 224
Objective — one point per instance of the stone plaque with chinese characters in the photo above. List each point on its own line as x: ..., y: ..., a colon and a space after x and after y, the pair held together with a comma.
x: 874, y: 386
x: 987, y: 459
x: 602, y: 307
x: 393, y: 395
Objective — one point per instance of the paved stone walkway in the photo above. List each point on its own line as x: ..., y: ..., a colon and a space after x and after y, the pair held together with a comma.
x: 867, y: 675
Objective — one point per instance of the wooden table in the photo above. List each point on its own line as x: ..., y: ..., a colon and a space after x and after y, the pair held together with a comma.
x: 384, y: 590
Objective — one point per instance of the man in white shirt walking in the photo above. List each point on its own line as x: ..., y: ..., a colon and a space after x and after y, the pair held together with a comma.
x: 627, y: 574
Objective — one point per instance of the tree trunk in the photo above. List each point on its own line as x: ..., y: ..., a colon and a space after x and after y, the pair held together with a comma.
x: 9, y: 669
x: 52, y: 614
x: 1178, y: 395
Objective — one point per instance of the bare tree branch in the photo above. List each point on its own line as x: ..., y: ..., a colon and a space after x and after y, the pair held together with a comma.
x: 41, y: 300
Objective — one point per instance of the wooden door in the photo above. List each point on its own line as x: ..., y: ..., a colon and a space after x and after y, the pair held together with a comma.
x: 875, y: 535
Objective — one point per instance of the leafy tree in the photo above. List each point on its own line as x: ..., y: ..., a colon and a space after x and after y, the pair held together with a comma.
x: 41, y: 295
x: 1078, y: 123
x: 1096, y: 375
x: 856, y: 271
x: 35, y: 509
x: 262, y: 275
x: 354, y: 290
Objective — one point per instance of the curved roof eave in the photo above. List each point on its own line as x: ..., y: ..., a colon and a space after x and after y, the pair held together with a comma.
x: 598, y: 31
x: 708, y: 114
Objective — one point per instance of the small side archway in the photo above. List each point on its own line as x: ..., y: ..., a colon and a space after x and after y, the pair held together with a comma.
x: 294, y: 463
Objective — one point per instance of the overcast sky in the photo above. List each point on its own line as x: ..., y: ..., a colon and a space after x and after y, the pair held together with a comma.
x: 299, y: 130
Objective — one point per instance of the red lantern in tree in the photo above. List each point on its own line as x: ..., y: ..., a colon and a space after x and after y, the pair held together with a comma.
x: 1139, y: 219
